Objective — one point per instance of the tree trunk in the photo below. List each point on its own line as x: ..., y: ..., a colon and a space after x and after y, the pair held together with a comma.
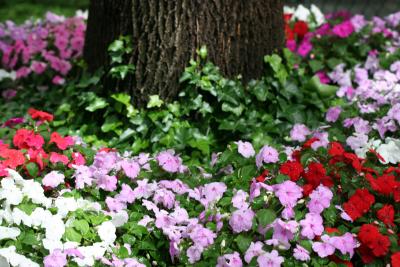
x: 166, y: 34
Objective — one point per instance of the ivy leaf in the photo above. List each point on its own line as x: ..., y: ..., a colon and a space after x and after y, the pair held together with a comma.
x: 72, y: 235
x: 32, y: 168
x: 243, y: 242
x: 82, y: 226
x: 154, y: 101
x: 97, y: 103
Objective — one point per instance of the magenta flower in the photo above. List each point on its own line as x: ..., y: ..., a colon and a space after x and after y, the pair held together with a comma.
x: 304, y: 48
x: 344, y: 29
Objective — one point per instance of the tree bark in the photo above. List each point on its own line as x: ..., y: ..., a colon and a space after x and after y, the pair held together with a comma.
x: 166, y: 34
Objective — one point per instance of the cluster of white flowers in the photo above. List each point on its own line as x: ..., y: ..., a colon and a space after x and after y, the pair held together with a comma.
x: 313, y: 15
x: 388, y: 150
x: 15, y: 190
x: 7, y: 75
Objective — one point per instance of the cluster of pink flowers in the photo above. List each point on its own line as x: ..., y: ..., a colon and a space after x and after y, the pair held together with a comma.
x: 43, y: 47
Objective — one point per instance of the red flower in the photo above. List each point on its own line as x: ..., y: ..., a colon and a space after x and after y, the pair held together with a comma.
x: 396, y: 259
x: 261, y: 177
x: 366, y: 254
x: 25, y: 139
x: 11, y: 158
x: 380, y: 245
x: 309, y: 142
x: 61, y: 142
x: 384, y: 184
x: 55, y: 158
x: 3, y: 171
x: 359, y: 203
x: 300, y: 28
x: 386, y: 214
x: 316, y: 174
x: 292, y: 169
x: 40, y: 115
x: 77, y: 159
x: 367, y: 233
x: 336, y: 149
x: 370, y: 236
x: 38, y: 156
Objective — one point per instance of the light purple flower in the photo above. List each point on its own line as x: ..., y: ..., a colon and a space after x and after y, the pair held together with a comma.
x: 164, y: 197
x: 267, y: 155
x: 169, y: 161
x: 241, y: 220
x: 83, y: 176
x: 271, y: 259
x: 325, y: 248
x: 53, y: 179
x: 245, y: 149
x: 333, y: 114
x: 312, y: 225
x: 301, y: 254
x: 284, y: 231
x: 114, y: 204
x: 288, y: 193
x: 239, y: 200
x: 254, y: 250
x: 55, y: 259
x: 194, y: 253
x: 126, y: 194
x: 299, y: 132
x: 131, y: 168
x: 345, y: 243
x: 202, y: 236
x: 106, y: 182
x: 358, y: 22
x: 357, y: 141
x: 323, y: 140
x: 230, y: 260
x: 320, y: 199
x: 105, y: 161
x: 213, y: 192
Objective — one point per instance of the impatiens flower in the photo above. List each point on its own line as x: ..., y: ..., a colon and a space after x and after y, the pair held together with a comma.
x: 301, y: 253
x: 56, y: 259
x: 345, y: 243
x: 299, y: 132
x: 202, y: 236
x: 245, y: 149
x: 395, y: 259
x: 293, y: 169
x: 267, y: 155
x: 333, y: 114
x: 53, y: 179
x: 270, y: 259
x: 239, y: 200
x: 61, y: 142
x: 386, y: 214
x: 40, y: 115
x: 312, y: 226
x: 343, y: 29
x: 288, y: 193
x: 106, y: 182
x: 25, y: 139
x: 254, y: 250
x: 284, y: 231
x: 169, y: 162
x: 106, y: 232
x: 324, y: 248
x: 320, y: 199
x: 241, y: 220
x: 304, y: 48
x: 194, y: 253
x: 55, y: 158
x: 131, y: 168
x: 230, y: 260
x: 213, y: 191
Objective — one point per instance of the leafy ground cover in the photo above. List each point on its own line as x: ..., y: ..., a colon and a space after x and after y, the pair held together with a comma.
x: 299, y: 167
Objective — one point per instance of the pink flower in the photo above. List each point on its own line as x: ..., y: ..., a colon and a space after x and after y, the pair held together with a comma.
x: 213, y: 191
x: 288, y: 193
x: 344, y: 29
x: 304, y: 48
x: 345, y: 243
x: 239, y: 200
x: 241, y: 220
x: 55, y: 158
x: 131, y: 168
x: 301, y: 254
x: 169, y: 162
x: 312, y: 226
x: 291, y: 45
x: 323, y: 77
x: 271, y: 259
x: 38, y: 67
x: 245, y: 149
x: 23, y: 72
x: 164, y: 197
x: 55, y: 259
x: 53, y: 179
x: 324, y: 249
x: 333, y: 114
x: 61, y: 142
x: 267, y: 155
x: 254, y: 250
x: 230, y: 260
x: 9, y: 94
x: 320, y: 199
x: 126, y: 195
x: 194, y: 253
x: 57, y: 80
x: 299, y: 132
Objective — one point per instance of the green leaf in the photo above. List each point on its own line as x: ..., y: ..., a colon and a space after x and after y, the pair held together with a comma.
x: 115, y: 46
x: 154, y: 101
x: 243, y: 242
x: 235, y: 110
x: 111, y: 124
x: 33, y: 169
x: 72, y: 235
x: 325, y: 90
x: 28, y: 208
x: 29, y: 238
x: 122, y: 98
x: 274, y: 61
x: 82, y: 226
x: 265, y: 217
x: 97, y: 103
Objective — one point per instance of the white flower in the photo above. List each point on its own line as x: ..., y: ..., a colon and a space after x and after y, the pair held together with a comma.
x: 15, y: 259
x: 90, y: 253
x: 9, y: 233
x: 19, y: 216
x: 302, y: 13
x: 119, y: 218
x: 106, y: 232
x: 7, y: 75
x: 390, y: 151
x: 10, y: 192
x: 55, y: 227
x: 318, y: 15
x: 39, y: 216
x: 51, y: 245
x: 65, y: 205
x: 288, y: 10
x: 34, y: 191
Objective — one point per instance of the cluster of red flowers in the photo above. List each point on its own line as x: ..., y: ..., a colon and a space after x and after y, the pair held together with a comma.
x: 359, y: 203
x: 373, y: 243
x: 29, y: 147
x: 298, y: 30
